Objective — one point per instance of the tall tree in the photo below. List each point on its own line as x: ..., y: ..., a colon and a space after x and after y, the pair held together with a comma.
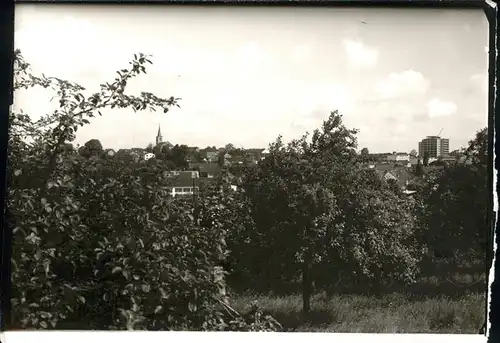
x: 419, y: 169
x: 304, y: 195
x: 477, y: 151
x: 456, y: 206
x: 425, y: 160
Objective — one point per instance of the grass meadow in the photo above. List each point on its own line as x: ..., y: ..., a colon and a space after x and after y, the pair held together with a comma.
x: 427, y: 307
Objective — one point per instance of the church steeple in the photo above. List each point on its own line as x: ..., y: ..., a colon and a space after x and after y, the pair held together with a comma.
x: 159, y: 137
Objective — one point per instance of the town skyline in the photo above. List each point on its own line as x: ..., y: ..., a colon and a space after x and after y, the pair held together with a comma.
x: 162, y: 140
x: 274, y: 72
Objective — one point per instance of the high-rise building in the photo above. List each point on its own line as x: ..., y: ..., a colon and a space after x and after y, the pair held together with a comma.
x: 434, y: 146
x: 159, y: 137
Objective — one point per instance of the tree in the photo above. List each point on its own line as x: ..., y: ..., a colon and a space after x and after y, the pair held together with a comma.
x: 439, y: 162
x: 161, y: 152
x: 178, y: 156
x: 413, y: 152
x: 221, y: 158
x: 313, y: 211
x: 364, y: 154
x: 419, y: 169
x: 455, y: 209
x: 229, y: 147
x: 91, y: 148
x: 477, y: 151
x: 150, y: 148
x: 425, y: 161
x: 100, y: 241
x: 54, y: 198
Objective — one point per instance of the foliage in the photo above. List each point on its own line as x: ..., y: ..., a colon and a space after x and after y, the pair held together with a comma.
x: 176, y: 157
x: 99, y: 240
x: 419, y: 169
x: 477, y: 151
x: 425, y: 161
x: 92, y: 148
x: 390, y: 313
x: 229, y: 147
x: 455, y: 207
x: 364, y: 155
x: 316, y: 210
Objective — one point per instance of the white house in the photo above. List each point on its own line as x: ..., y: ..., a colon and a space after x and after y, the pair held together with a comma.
x: 264, y: 154
x: 148, y: 156
x: 399, y: 157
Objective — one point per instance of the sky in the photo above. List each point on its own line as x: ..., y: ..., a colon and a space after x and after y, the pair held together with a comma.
x: 248, y: 74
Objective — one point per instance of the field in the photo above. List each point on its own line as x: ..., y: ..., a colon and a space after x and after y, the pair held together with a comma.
x: 448, y: 309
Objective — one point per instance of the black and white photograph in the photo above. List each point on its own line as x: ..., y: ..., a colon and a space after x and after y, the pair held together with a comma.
x: 230, y: 168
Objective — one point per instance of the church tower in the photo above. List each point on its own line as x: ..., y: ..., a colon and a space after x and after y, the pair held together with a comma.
x: 159, y: 137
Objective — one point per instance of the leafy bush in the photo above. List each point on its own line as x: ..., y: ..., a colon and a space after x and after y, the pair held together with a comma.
x: 97, y: 242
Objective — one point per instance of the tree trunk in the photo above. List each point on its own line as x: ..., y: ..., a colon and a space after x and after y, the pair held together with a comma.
x: 306, y: 287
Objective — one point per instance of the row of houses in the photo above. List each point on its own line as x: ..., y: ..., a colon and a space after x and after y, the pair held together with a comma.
x: 182, y: 182
x: 410, y: 159
x: 189, y: 182
x: 220, y: 156
x: 401, y: 175
x: 397, y: 167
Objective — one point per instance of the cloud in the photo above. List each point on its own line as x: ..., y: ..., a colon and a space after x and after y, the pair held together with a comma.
x: 360, y: 55
x: 440, y: 108
x: 406, y: 83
